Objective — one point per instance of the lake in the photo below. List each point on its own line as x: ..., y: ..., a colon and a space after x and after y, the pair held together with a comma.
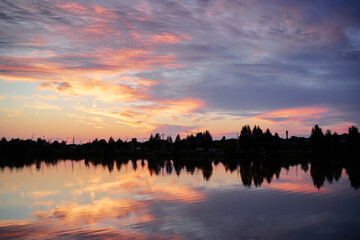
x: 144, y: 199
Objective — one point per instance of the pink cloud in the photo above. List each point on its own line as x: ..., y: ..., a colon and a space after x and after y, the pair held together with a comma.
x: 293, y: 114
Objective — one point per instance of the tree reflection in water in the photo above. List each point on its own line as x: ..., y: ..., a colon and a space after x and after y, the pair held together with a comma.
x: 253, y: 172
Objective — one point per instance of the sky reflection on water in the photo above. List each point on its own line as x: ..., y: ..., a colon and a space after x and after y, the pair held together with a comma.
x: 75, y: 199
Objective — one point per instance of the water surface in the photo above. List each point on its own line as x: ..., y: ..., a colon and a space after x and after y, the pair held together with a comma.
x: 165, y: 199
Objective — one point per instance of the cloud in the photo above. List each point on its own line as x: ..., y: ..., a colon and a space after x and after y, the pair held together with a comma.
x: 45, y: 97
x: 224, y: 57
x: 173, y: 130
x: 147, y: 117
x: 63, y: 86
x: 293, y: 114
x: 44, y: 106
x: 94, y: 121
x: 167, y: 38
x: 129, y: 119
x: 10, y: 112
x: 102, y: 91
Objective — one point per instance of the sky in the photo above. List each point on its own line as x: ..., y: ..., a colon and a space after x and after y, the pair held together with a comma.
x: 95, y: 69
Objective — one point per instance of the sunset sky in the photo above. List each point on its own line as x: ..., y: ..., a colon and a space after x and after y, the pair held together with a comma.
x: 95, y: 69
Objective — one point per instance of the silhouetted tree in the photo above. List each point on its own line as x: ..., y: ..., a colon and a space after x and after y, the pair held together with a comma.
x: 3, y: 141
x: 336, y: 142
x: 157, y: 140
x: 257, y: 137
x: 111, y: 144
x: 103, y: 145
x: 190, y: 142
x: 199, y: 140
x: 328, y: 141
x: 268, y: 142
x: 151, y: 142
x: 245, y: 139
x: 134, y: 143
x: 207, y: 140
x: 177, y: 144
x: 257, y: 132
x: 353, y: 141
x: 169, y: 143
x: 119, y: 144
x: 317, y: 139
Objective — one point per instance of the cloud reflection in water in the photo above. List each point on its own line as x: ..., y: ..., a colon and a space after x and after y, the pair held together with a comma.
x: 79, y: 200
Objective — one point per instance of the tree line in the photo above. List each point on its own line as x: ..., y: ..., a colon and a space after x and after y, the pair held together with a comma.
x: 250, y: 142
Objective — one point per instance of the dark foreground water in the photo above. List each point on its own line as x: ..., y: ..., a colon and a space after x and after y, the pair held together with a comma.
x: 141, y: 200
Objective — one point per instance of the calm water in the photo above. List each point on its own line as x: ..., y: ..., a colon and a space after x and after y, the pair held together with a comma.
x: 137, y: 200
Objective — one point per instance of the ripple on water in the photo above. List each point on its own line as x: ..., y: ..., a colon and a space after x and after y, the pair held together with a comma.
x: 70, y: 200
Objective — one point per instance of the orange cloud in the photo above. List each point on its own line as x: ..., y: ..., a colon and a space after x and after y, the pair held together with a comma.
x: 165, y: 38
x: 91, y: 11
x: 10, y: 112
x: 73, y: 7
x: 97, y: 30
x: 292, y: 114
x: 136, y: 121
x: 101, y: 90
x: 108, y: 73
x: 183, y: 105
x: 42, y: 105
x: 148, y: 116
x: 110, y: 62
